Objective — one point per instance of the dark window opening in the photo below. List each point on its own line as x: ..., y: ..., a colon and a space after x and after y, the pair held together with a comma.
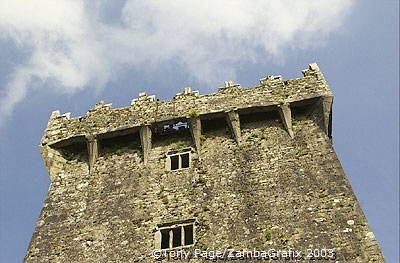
x: 174, y: 162
x: 177, y: 237
x: 164, y: 238
x: 169, y: 134
x: 185, y: 160
x: 171, y: 129
x: 179, y: 161
x: 188, y: 234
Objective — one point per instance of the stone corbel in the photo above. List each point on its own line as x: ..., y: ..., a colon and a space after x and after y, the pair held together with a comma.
x: 145, y: 138
x: 232, y: 118
x: 286, y: 116
x: 93, y: 150
x: 327, y: 114
x: 195, y: 130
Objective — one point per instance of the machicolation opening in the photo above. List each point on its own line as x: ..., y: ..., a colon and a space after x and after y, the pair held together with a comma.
x: 257, y: 118
x: 74, y: 149
x: 304, y: 110
x: 118, y: 144
x: 175, y: 133
x: 217, y: 126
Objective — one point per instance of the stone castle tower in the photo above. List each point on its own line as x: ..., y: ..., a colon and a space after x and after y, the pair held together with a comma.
x: 244, y: 169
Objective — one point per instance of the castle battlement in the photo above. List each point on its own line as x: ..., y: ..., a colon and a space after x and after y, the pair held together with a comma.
x: 146, y: 110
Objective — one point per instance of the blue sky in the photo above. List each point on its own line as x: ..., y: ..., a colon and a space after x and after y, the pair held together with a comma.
x: 68, y: 55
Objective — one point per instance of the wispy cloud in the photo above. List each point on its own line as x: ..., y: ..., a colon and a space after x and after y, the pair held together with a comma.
x: 75, y: 44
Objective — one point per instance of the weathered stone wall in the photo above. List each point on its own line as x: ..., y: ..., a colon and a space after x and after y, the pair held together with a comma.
x: 240, y: 191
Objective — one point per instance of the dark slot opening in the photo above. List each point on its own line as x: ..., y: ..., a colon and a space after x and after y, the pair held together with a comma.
x: 177, y: 237
x: 115, y: 144
x: 330, y: 125
x: 185, y: 160
x: 174, y: 162
x: 259, y: 116
x: 213, y: 124
x: 188, y: 235
x: 77, y: 150
x: 164, y: 239
x: 301, y: 112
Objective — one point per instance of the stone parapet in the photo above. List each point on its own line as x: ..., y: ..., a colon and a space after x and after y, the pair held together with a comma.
x: 146, y: 110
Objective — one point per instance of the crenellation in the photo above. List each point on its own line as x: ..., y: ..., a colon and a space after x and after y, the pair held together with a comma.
x: 272, y: 81
x: 314, y: 71
x: 230, y: 83
x: 146, y: 109
x: 66, y: 116
x: 230, y: 88
x: 54, y: 114
x: 143, y: 97
x: 186, y: 94
x: 102, y: 105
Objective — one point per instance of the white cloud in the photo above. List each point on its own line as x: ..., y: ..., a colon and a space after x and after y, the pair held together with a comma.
x: 73, y: 45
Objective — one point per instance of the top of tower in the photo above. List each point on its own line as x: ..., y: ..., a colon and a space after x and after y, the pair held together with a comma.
x: 147, y: 110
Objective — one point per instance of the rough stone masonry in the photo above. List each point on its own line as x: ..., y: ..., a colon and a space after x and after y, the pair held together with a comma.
x: 241, y: 169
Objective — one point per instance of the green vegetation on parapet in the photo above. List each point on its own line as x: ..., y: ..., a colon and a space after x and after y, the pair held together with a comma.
x: 179, y: 145
x: 193, y: 113
x: 203, y: 138
x: 120, y: 149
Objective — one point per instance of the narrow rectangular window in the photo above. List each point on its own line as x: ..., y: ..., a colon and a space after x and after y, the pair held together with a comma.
x: 188, y: 235
x: 174, y: 162
x: 164, y: 238
x: 176, y: 240
x: 185, y: 160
